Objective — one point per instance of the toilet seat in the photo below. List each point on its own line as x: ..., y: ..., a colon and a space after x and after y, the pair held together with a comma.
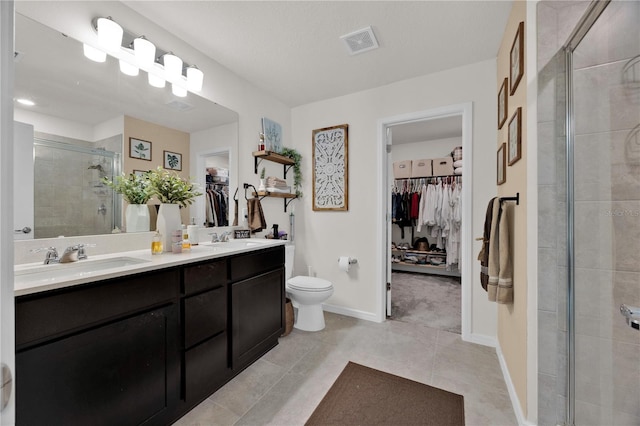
x: 303, y: 283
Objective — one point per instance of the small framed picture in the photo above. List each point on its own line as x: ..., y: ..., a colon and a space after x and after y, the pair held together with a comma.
x: 139, y: 149
x: 516, y: 60
x: 503, y: 103
x: 140, y: 173
x: 515, y: 137
x: 172, y: 161
x: 501, y: 170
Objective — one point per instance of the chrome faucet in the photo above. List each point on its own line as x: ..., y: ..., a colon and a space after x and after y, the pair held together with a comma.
x: 51, y: 256
x: 75, y: 253
x: 214, y: 237
x: 225, y: 237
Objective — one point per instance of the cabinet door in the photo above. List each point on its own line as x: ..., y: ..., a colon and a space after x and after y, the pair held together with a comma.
x: 123, y: 373
x: 257, y: 316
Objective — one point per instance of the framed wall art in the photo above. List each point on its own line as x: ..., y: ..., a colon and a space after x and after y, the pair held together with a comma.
x: 516, y: 61
x: 503, y: 103
x: 172, y: 161
x: 330, y: 168
x: 140, y: 173
x: 501, y: 167
x: 139, y: 149
x: 515, y: 137
x: 272, y: 132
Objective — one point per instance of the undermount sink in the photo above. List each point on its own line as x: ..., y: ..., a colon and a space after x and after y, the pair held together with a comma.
x: 72, y: 270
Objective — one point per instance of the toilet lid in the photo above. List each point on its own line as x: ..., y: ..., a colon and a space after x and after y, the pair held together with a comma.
x: 309, y: 283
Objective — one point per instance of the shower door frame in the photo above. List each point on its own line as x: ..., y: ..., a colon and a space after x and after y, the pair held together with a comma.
x: 589, y: 18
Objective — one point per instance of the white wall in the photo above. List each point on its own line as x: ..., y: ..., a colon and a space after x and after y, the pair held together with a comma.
x: 323, y: 236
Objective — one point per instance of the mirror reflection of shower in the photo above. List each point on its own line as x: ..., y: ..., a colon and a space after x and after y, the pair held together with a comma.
x: 70, y: 198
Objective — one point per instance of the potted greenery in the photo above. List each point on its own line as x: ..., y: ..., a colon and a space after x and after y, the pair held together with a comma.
x: 261, y: 187
x: 173, y: 192
x: 135, y: 190
x: 297, y: 173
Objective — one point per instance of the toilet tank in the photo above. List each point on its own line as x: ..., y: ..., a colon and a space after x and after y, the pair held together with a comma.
x: 289, y: 253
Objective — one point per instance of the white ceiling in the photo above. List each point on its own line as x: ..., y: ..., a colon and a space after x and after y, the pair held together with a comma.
x: 292, y: 49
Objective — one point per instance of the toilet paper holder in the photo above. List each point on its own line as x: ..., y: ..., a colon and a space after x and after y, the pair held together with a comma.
x: 352, y: 261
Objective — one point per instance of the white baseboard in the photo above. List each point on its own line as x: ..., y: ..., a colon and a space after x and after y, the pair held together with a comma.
x: 481, y: 339
x: 515, y: 402
x: 350, y: 312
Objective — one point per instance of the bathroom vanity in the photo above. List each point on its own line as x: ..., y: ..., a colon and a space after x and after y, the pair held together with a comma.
x: 145, y: 345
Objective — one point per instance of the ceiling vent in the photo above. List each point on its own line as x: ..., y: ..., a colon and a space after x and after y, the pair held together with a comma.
x: 360, y: 41
x: 179, y: 106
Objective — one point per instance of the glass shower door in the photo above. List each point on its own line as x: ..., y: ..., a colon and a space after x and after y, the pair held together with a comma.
x: 605, y: 84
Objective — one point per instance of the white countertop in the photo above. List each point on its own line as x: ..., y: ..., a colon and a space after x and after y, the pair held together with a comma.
x: 35, y: 277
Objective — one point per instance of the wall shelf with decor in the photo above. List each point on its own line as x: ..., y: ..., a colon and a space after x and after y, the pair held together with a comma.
x: 272, y: 156
x: 276, y: 158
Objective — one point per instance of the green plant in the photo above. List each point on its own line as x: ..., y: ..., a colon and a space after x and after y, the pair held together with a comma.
x: 297, y: 173
x: 170, y: 188
x: 134, y: 188
x: 262, y: 173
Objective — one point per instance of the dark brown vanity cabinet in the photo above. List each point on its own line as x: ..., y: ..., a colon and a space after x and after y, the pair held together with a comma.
x: 206, y: 355
x: 258, y: 297
x: 100, y: 354
x: 145, y: 348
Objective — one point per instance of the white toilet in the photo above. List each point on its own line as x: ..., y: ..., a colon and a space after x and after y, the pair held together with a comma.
x: 307, y: 295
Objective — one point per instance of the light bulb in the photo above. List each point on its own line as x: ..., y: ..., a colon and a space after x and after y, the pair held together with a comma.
x: 145, y: 51
x: 128, y: 69
x: 156, y: 81
x: 94, y: 54
x: 172, y: 67
x: 194, y: 78
x: 109, y: 34
x: 178, y: 90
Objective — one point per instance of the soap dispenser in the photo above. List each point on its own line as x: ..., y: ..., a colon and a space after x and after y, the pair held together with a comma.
x: 156, y: 243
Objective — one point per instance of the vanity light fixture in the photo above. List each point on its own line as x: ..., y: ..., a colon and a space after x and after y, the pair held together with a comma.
x: 145, y: 51
x: 172, y: 67
x: 94, y: 54
x: 178, y: 90
x: 109, y: 34
x: 194, y: 78
x: 137, y: 53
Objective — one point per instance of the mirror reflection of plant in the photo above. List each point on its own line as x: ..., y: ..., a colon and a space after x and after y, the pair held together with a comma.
x: 171, y: 188
x: 297, y: 173
x: 135, y: 189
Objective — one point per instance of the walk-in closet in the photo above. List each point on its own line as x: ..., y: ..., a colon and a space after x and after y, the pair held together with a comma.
x: 426, y: 219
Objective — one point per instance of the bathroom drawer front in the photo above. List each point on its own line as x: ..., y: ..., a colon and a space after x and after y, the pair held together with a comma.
x: 52, y: 314
x: 255, y: 263
x: 204, y: 315
x: 206, y: 368
x: 204, y: 276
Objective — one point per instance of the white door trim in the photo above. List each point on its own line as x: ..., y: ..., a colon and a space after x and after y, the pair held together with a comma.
x: 465, y: 110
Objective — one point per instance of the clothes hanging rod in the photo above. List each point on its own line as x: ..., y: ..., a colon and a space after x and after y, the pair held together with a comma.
x: 429, y: 177
x: 516, y: 199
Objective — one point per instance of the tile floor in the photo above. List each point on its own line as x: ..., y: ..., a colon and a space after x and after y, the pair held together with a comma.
x: 285, y: 385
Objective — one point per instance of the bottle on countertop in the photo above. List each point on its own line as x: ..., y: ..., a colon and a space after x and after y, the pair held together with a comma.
x: 186, y: 244
x: 156, y: 244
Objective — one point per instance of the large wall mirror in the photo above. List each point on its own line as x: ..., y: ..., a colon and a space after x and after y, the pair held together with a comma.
x: 76, y: 133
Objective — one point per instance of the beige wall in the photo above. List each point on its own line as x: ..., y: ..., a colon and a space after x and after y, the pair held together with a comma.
x: 512, y: 318
x: 162, y: 139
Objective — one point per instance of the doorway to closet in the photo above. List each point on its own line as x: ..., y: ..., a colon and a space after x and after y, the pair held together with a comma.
x: 425, y: 269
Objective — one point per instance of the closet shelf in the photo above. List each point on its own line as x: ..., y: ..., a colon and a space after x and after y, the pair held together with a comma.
x: 272, y: 156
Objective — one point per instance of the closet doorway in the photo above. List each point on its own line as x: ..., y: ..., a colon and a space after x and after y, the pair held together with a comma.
x: 427, y: 276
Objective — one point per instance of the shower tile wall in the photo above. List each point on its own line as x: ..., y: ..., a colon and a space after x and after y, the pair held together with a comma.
x: 60, y: 177
x: 555, y: 22
x: 607, y: 179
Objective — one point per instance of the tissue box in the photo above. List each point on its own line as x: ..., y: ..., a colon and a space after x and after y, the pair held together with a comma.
x: 402, y: 169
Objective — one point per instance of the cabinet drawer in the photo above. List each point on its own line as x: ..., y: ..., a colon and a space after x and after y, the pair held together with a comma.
x: 206, y: 368
x: 255, y: 263
x: 204, y: 315
x: 204, y: 276
x: 51, y: 314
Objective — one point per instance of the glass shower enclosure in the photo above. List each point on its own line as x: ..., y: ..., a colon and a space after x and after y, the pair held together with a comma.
x: 603, y: 216
x: 69, y: 196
